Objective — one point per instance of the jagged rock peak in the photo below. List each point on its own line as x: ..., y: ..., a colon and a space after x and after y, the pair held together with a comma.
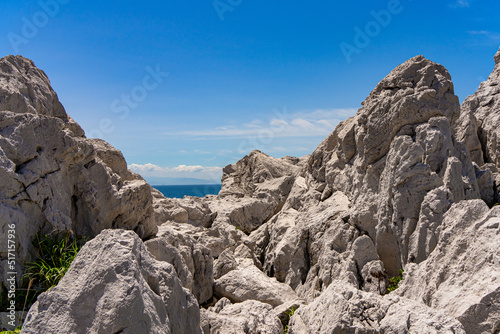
x: 242, y: 177
x: 483, y: 108
x: 418, y: 73
x: 26, y: 89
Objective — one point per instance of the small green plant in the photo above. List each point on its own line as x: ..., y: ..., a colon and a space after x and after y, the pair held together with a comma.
x: 240, y: 229
x: 56, y: 252
x: 289, y: 312
x: 394, y: 281
x: 16, y: 331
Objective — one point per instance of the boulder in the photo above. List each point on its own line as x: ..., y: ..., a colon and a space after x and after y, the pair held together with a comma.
x: 250, y: 283
x: 483, y: 107
x: 250, y: 316
x: 461, y: 277
x: 53, y: 178
x: 345, y: 309
x: 115, y: 286
x: 192, y: 261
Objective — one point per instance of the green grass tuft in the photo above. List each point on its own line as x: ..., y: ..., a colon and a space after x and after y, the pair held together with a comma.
x: 289, y: 312
x: 56, y: 252
x: 394, y: 282
x: 16, y: 331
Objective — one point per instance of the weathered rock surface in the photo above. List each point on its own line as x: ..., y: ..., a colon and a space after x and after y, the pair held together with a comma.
x: 25, y: 89
x: 345, y: 309
x: 192, y: 261
x: 398, y: 186
x: 249, y: 283
x: 249, y: 316
x: 399, y: 147
x: 52, y: 177
x: 461, y: 277
x: 115, y: 286
x: 484, y: 107
x: 307, y: 250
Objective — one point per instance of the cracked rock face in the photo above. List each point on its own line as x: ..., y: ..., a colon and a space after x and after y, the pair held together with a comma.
x: 461, y: 277
x: 399, y: 147
x: 53, y: 178
x: 401, y: 185
x: 115, y: 286
x: 344, y: 309
x: 484, y: 107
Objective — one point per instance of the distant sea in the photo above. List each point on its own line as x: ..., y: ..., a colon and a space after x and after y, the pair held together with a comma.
x: 189, y: 190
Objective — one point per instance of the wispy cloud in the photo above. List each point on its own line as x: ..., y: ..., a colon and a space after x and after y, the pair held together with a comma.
x: 299, y: 124
x: 460, y: 4
x: 485, y: 37
x: 181, y: 171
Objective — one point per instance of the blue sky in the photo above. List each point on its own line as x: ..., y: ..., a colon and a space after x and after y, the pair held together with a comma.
x: 184, y: 88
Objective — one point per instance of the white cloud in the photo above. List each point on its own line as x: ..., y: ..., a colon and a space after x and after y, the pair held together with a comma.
x: 198, y: 172
x: 460, y: 4
x: 316, y: 123
x: 484, y: 37
x: 202, y: 152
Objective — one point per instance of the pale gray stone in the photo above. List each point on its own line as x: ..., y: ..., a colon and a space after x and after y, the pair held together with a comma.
x: 115, y: 286
x: 250, y: 316
x: 192, y: 261
x: 345, y: 309
x: 250, y: 283
x: 461, y: 277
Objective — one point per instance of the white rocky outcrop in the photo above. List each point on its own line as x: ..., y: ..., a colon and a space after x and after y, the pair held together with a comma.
x: 478, y: 129
x: 406, y: 184
x: 250, y: 316
x: 484, y: 108
x: 461, y: 277
x: 399, y: 147
x: 192, y: 261
x: 53, y: 178
x: 115, y: 286
x: 344, y: 309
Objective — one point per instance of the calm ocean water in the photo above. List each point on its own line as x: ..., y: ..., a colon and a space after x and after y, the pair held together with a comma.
x: 189, y: 190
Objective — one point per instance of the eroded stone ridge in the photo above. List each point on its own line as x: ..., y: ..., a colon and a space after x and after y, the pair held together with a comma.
x: 303, y: 243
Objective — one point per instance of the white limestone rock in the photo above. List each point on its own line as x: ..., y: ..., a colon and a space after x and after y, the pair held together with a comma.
x: 345, y: 309
x: 461, y: 277
x: 250, y: 316
x: 250, y: 283
x: 399, y: 147
x: 24, y: 88
x: 53, y: 178
x: 484, y: 106
x: 115, y: 286
x: 307, y: 250
x: 192, y: 261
